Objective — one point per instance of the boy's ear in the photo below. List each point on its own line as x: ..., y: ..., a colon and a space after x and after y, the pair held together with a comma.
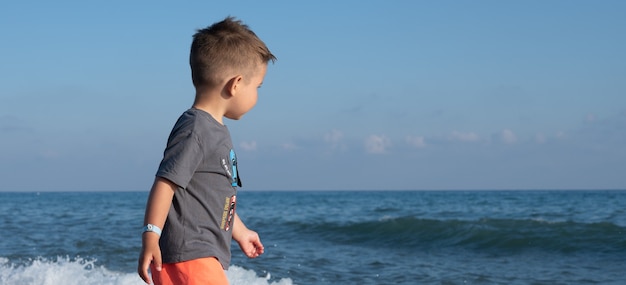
x: 234, y: 84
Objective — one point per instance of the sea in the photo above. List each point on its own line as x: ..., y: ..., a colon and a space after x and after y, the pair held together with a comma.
x: 336, y: 237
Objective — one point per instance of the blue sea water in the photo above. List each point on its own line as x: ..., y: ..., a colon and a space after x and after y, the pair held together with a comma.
x: 342, y: 237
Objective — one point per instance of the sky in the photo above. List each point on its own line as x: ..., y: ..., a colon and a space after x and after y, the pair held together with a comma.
x: 365, y: 95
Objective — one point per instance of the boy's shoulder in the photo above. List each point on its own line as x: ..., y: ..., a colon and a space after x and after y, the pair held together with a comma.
x: 197, y: 116
x: 198, y: 122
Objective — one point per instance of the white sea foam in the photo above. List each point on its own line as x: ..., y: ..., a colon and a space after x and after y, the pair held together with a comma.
x: 67, y: 271
x: 238, y: 275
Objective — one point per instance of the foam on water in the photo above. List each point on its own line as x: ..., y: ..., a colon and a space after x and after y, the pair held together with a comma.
x: 68, y: 271
x: 238, y: 275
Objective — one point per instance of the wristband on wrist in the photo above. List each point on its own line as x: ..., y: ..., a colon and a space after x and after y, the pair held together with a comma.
x: 152, y: 228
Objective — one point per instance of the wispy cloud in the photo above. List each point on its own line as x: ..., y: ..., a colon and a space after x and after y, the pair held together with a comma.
x: 416, y: 142
x: 540, y: 138
x: 289, y: 146
x: 508, y: 137
x: 377, y: 144
x: 248, y: 145
x: 335, y: 139
x: 464, y: 137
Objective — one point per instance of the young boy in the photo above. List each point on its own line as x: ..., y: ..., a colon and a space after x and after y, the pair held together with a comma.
x: 193, y: 197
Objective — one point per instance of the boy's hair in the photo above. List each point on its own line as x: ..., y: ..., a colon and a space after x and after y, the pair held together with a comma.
x: 226, y: 46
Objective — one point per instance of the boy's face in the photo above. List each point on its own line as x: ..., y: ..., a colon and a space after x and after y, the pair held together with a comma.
x: 247, y: 94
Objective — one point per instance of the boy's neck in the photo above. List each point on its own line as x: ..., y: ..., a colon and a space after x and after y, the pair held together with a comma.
x: 212, y: 107
x: 217, y: 118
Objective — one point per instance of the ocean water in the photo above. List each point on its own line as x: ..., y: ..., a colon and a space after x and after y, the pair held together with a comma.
x: 343, y: 237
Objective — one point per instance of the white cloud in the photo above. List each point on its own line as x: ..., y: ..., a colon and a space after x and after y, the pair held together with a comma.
x: 590, y: 118
x: 417, y: 142
x: 507, y: 136
x: 540, y: 138
x: 289, y: 146
x: 248, y: 146
x: 377, y: 144
x: 464, y: 137
x: 334, y: 138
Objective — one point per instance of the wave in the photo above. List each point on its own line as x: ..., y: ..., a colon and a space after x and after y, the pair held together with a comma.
x: 502, y: 235
x: 75, y: 271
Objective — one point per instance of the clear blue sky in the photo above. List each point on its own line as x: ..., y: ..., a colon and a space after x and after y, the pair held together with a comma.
x: 364, y: 95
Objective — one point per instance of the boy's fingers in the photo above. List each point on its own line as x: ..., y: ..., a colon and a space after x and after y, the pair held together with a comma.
x: 143, y: 270
x: 257, y: 249
x: 158, y: 263
x: 259, y: 246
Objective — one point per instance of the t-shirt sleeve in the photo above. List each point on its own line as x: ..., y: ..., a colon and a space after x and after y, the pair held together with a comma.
x: 181, y: 159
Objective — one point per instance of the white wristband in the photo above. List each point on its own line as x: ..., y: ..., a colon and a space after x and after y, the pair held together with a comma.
x: 152, y: 228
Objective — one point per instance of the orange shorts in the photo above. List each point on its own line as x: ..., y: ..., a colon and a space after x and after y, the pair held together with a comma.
x: 205, y: 271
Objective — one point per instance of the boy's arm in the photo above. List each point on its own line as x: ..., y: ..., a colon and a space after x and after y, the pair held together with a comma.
x: 159, y: 203
x: 248, y: 240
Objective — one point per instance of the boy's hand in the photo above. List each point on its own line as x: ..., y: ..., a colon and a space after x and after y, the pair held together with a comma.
x: 150, y: 253
x: 250, y: 243
x: 248, y: 240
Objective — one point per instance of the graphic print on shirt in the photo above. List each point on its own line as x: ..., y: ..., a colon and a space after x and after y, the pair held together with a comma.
x: 230, y: 203
x: 233, y: 164
x: 229, y: 212
x: 231, y: 168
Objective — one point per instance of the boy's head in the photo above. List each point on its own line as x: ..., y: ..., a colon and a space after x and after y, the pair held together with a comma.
x: 225, y: 49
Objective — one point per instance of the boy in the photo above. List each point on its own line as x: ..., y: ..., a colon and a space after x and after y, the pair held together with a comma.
x: 193, y: 197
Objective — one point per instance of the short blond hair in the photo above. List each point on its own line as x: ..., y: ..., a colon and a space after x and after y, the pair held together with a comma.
x: 226, y: 46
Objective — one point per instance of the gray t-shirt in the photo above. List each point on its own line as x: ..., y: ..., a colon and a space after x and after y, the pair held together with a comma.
x: 199, y: 158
